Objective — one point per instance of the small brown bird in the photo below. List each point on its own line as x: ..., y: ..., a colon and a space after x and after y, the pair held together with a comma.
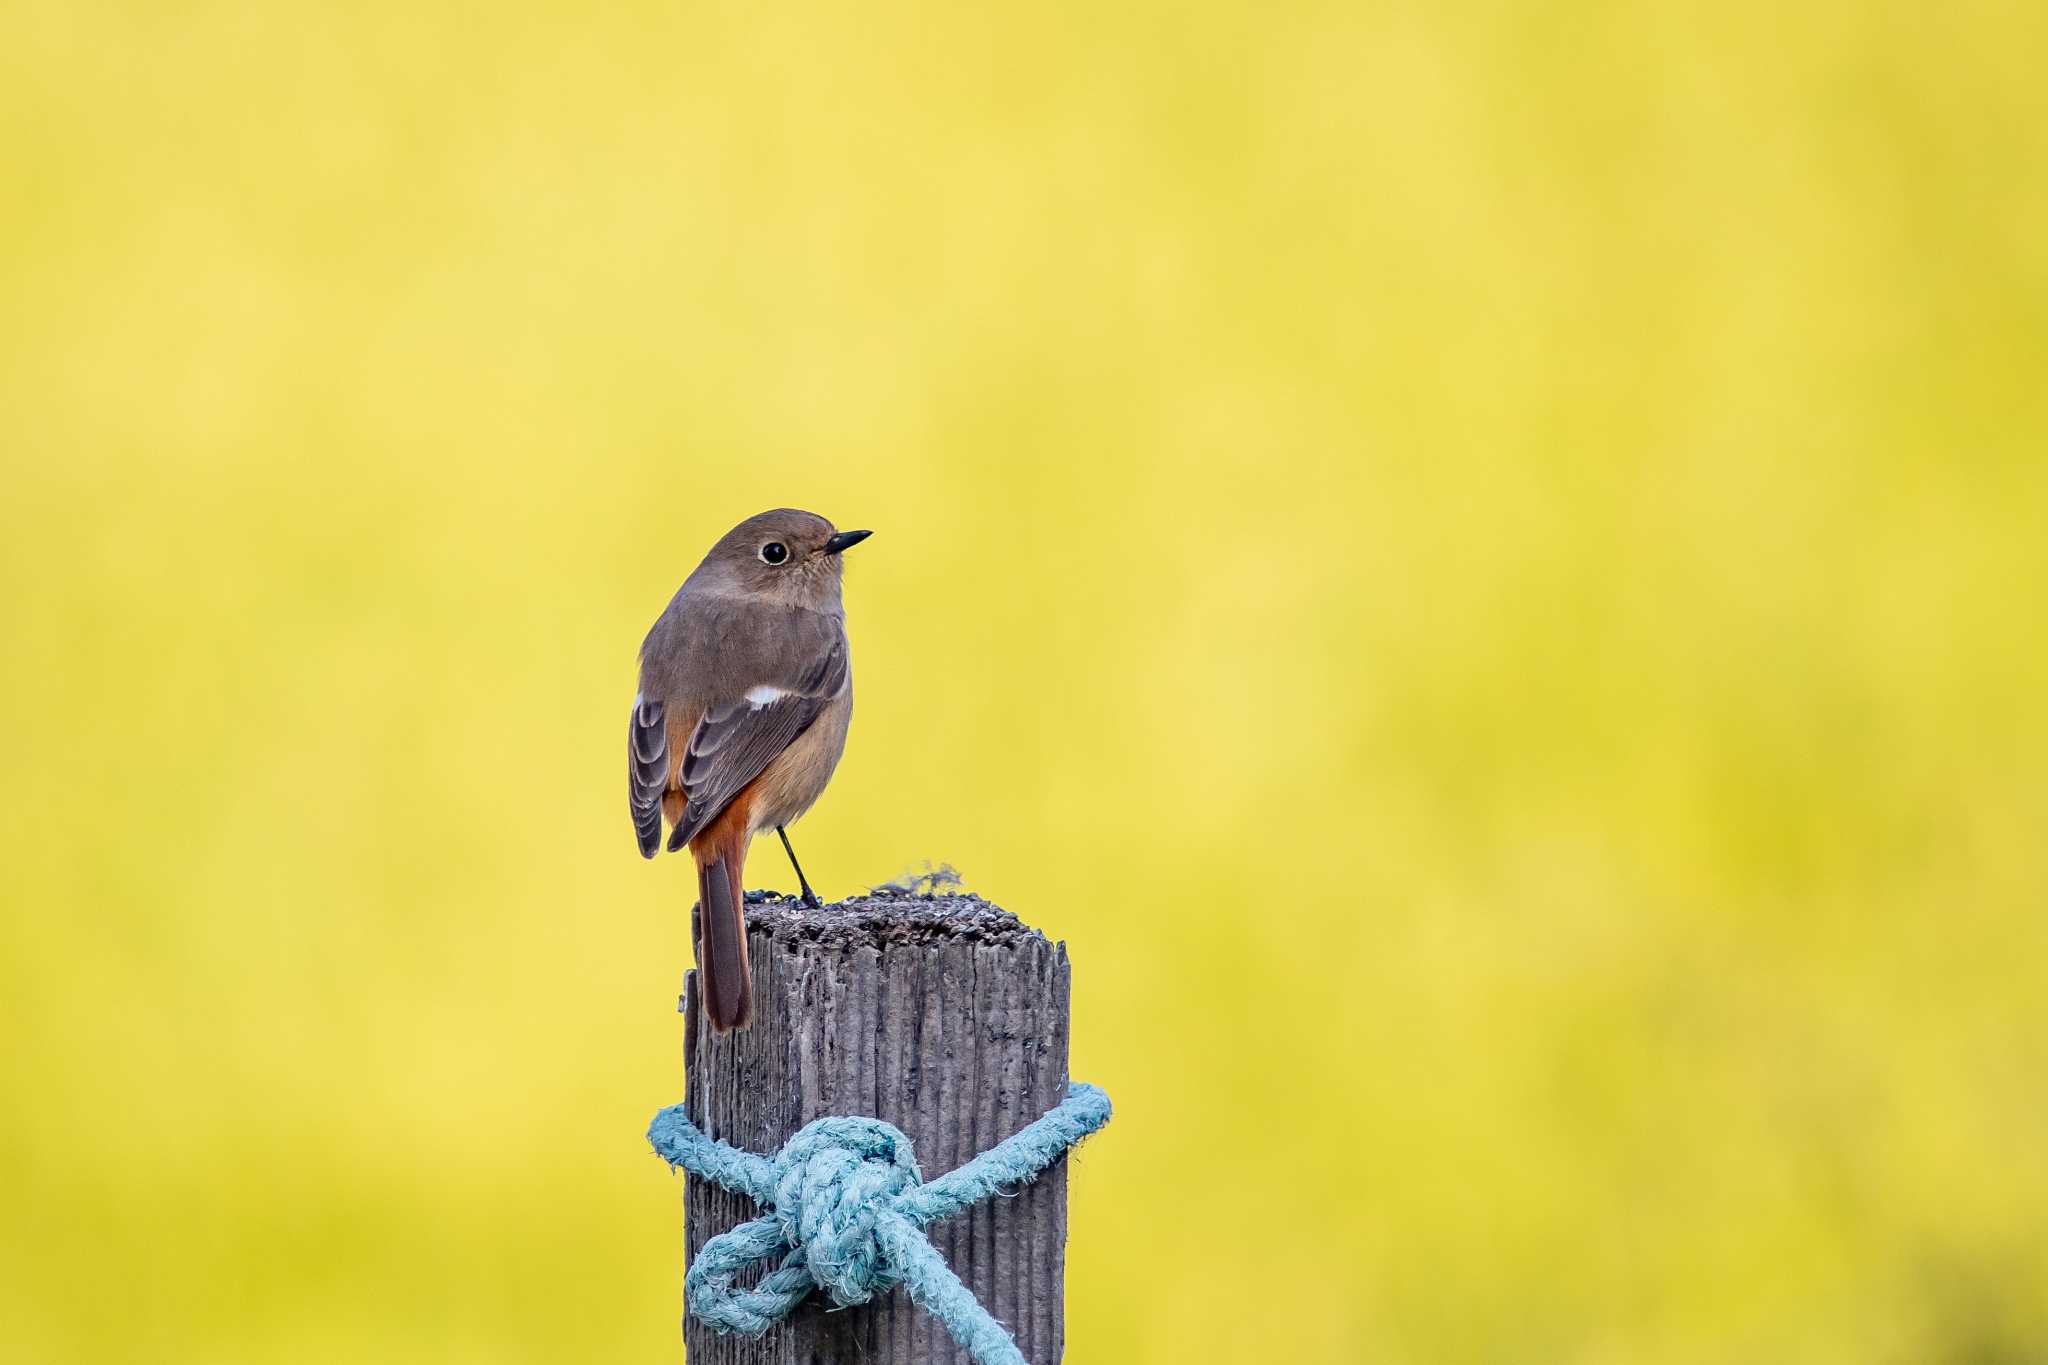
x: 744, y: 698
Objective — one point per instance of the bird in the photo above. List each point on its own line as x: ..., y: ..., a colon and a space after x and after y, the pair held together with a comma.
x: 745, y: 694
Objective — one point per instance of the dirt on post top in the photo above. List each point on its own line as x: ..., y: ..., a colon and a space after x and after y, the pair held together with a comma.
x: 886, y: 917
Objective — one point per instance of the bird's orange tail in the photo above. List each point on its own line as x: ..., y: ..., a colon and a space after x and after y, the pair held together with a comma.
x: 723, y: 974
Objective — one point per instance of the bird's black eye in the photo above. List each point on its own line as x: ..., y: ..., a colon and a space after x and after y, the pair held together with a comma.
x: 774, y: 552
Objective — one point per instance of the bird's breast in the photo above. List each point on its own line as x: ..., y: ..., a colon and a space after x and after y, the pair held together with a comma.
x: 795, y: 777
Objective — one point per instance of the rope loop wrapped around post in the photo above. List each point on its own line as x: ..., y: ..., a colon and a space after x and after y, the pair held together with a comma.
x: 846, y: 1211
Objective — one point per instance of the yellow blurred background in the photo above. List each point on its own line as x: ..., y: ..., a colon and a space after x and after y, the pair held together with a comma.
x: 1481, y: 563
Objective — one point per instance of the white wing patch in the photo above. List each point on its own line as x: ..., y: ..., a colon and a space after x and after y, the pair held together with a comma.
x: 763, y: 695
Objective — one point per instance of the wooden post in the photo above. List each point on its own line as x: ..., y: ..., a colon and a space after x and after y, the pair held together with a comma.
x: 944, y: 1015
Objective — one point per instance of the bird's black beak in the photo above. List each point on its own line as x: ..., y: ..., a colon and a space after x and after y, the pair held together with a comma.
x: 845, y: 540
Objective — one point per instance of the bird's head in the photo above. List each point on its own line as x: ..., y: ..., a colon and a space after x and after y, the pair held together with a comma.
x: 785, y: 555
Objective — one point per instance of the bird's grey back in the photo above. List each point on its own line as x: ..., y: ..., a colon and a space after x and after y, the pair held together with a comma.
x: 708, y: 648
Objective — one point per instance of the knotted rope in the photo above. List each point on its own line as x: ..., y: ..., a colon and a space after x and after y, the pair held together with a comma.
x: 846, y: 1208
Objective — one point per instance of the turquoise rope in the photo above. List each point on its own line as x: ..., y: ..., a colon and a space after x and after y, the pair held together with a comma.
x: 846, y: 1212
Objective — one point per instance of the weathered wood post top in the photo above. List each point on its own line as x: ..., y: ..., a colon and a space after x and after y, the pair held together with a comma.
x: 944, y: 1015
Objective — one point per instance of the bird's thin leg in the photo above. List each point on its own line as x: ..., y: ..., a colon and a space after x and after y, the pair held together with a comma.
x: 810, y: 896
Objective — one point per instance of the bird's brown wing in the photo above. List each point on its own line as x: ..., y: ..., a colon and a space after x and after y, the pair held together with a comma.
x: 737, y: 738
x: 647, y: 768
